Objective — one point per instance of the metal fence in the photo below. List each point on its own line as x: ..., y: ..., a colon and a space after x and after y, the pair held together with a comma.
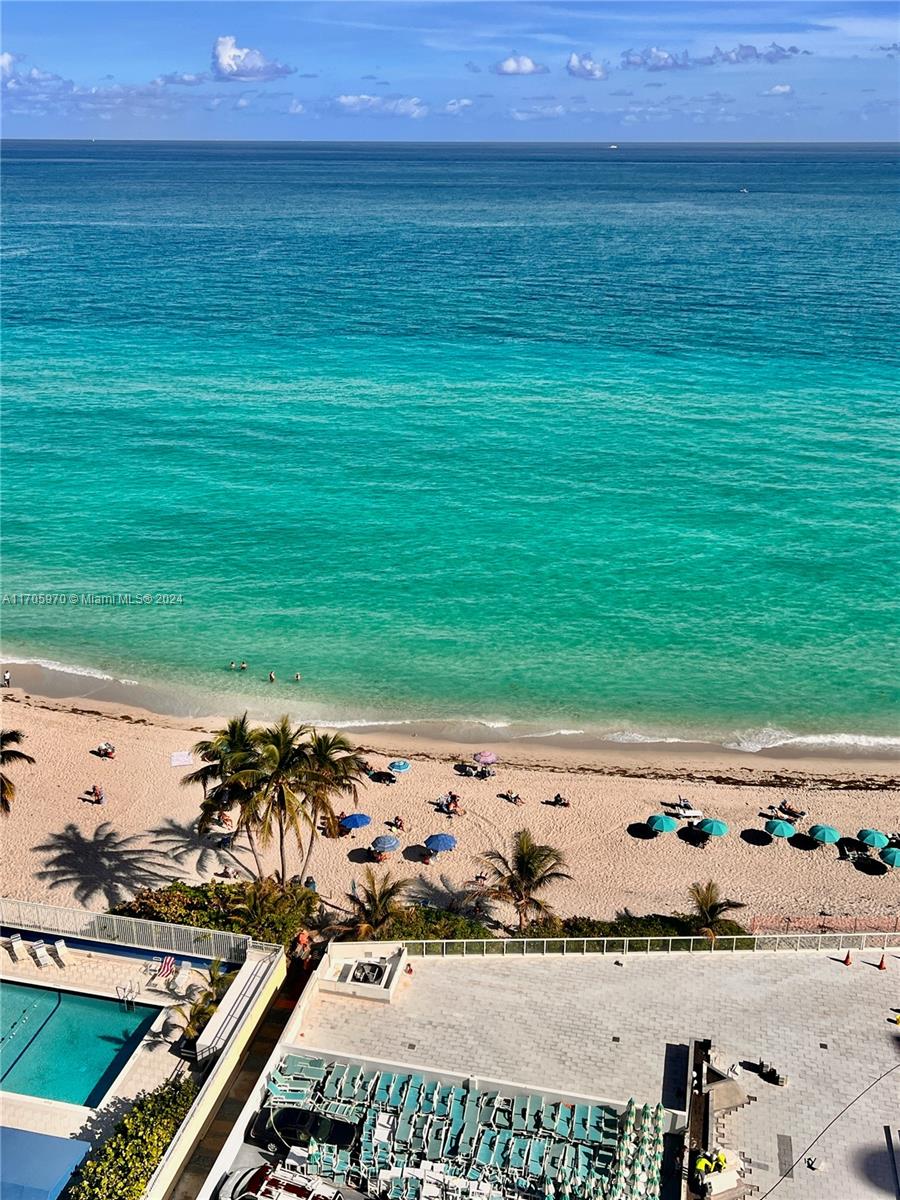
x: 80, y: 923
x: 506, y: 947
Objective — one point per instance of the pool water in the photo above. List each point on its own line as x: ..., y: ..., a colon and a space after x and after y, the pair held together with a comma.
x: 63, y: 1045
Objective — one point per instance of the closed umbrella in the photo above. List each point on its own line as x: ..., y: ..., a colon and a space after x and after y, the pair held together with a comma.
x: 355, y: 821
x: 712, y: 827
x: 662, y: 823
x: 398, y: 766
x: 874, y: 838
x: 485, y: 756
x: 826, y: 834
x: 385, y: 843
x: 891, y: 856
x: 438, y: 842
x: 780, y: 829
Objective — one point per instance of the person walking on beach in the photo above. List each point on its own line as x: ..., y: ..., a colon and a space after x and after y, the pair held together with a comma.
x: 297, y: 676
x: 243, y: 665
x: 271, y: 677
x: 6, y: 679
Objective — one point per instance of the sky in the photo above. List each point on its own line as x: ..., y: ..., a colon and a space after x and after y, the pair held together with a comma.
x: 360, y: 70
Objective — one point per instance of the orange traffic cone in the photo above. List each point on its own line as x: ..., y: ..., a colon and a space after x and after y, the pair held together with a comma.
x: 882, y: 966
x: 848, y: 961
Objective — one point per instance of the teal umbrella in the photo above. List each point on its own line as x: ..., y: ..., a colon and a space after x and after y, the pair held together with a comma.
x: 826, y: 834
x: 662, y: 823
x: 891, y: 856
x: 782, y: 829
x: 712, y: 827
x: 873, y: 838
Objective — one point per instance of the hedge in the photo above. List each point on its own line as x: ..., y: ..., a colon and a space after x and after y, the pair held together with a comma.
x: 121, y: 1168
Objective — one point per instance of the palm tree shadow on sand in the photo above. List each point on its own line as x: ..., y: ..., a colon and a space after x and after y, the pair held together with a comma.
x: 106, y: 864
x: 202, y: 852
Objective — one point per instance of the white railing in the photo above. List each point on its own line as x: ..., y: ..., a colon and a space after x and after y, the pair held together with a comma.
x: 505, y: 947
x: 81, y: 923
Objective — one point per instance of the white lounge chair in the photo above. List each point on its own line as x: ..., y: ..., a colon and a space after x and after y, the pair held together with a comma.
x: 62, y: 951
x: 39, y: 950
x: 178, y: 982
x: 15, y: 945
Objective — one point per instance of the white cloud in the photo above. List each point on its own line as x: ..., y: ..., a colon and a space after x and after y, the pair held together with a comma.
x: 583, y: 66
x: 538, y: 112
x: 7, y: 63
x: 383, y: 106
x: 233, y: 62
x: 296, y: 109
x: 519, y: 64
x: 655, y: 58
x: 778, y: 89
x: 454, y: 107
x: 182, y: 78
x: 242, y: 103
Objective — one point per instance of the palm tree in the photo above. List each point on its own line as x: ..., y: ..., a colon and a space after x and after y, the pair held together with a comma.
x: 529, y: 869
x: 8, y: 756
x: 373, y: 905
x: 710, y: 908
x: 228, y: 752
x: 274, y: 776
x: 333, y: 768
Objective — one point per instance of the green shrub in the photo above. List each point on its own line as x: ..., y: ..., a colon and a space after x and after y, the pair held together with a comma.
x: 418, y: 921
x: 260, y: 909
x: 625, y: 924
x: 122, y: 1166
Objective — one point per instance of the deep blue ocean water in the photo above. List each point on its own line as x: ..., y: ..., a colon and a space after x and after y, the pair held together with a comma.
x: 559, y: 435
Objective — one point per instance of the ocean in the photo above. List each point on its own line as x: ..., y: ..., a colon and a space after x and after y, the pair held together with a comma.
x: 554, y: 438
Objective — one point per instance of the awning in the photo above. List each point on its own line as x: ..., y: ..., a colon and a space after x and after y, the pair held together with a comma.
x: 36, y: 1166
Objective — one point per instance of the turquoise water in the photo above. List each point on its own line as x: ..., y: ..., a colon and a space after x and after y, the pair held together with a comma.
x: 558, y: 437
x: 65, y: 1046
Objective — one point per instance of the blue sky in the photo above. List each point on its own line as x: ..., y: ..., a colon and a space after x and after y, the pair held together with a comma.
x: 367, y: 70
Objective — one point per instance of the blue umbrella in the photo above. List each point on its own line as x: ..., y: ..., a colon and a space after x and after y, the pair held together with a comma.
x: 662, y: 823
x: 891, y: 856
x: 399, y: 765
x: 355, y: 821
x: 438, y: 842
x: 826, y: 834
x: 386, y: 843
x: 873, y: 838
x: 783, y: 829
x: 712, y: 827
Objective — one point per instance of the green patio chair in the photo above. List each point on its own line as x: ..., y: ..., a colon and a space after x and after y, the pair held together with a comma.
x: 564, y: 1121
x: 397, y: 1091
x: 520, y: 1114
x: 536, y: 1156
x: 436, y: 1137
x: 579, y: 1127
x: 403, y: 1132
x: 531, y: 1112
x: 333, y: 1083
x: 383, y: 1089
x: 518, y: 1154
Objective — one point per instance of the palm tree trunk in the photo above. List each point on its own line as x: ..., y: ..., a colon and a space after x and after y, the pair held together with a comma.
x: 282, y: 852
x: 309, y: 849
x: 254, y: 850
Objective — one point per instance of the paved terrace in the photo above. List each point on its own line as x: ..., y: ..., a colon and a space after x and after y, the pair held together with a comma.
x: 588, y: 1025
x: 99, y: 974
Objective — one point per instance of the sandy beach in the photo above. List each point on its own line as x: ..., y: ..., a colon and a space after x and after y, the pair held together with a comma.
x: 59, y: 847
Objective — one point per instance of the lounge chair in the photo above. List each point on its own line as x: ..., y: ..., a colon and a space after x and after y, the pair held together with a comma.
x: 39, y: 950
x: 179, y: 981
x: 62, y: 951
x: 15, y: 945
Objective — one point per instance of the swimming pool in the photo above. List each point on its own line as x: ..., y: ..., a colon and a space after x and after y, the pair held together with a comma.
x: 63, y: 1045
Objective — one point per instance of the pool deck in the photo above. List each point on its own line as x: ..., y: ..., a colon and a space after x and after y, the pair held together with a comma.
x: 97, y: 974
x: 589, y: 1025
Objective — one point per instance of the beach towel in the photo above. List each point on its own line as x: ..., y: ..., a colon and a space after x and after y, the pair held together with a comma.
x: 166, y: 967
x: 182, y: 758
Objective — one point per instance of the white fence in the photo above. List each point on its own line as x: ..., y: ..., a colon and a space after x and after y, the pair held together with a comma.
x: 506, y: 947
x: 80, y: 923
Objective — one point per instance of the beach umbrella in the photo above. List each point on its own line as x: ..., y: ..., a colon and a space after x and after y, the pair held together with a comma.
x: 385, y: 843
x: 780, y: 829
x: 712, y: 827
x: 891, y: 856
x: 399, y: 765
x: 355, y: 821
x: 438, y: 842
x: 874, y: 838
x: 486, y: 757
x: 826, y: 834
x: 662, y: 823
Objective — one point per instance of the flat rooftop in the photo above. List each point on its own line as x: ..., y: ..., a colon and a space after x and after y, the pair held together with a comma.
x: 587, y: 1025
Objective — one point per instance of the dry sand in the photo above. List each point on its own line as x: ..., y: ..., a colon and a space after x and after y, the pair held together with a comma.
x: 59, y: 848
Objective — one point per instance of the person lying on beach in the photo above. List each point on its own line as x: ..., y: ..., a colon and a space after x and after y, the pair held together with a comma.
x: 398, y: 823
x: 514, y: 798
x: 559, y: 801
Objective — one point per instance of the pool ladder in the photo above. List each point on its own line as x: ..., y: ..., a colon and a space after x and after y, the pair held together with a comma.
x: 127, y: 994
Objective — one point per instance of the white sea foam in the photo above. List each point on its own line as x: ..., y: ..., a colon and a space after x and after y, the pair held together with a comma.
x: 631, y: 737
x: 548, y: 733
x: 50, y: 664
x: 753, y: 740
x: 129, y: 682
